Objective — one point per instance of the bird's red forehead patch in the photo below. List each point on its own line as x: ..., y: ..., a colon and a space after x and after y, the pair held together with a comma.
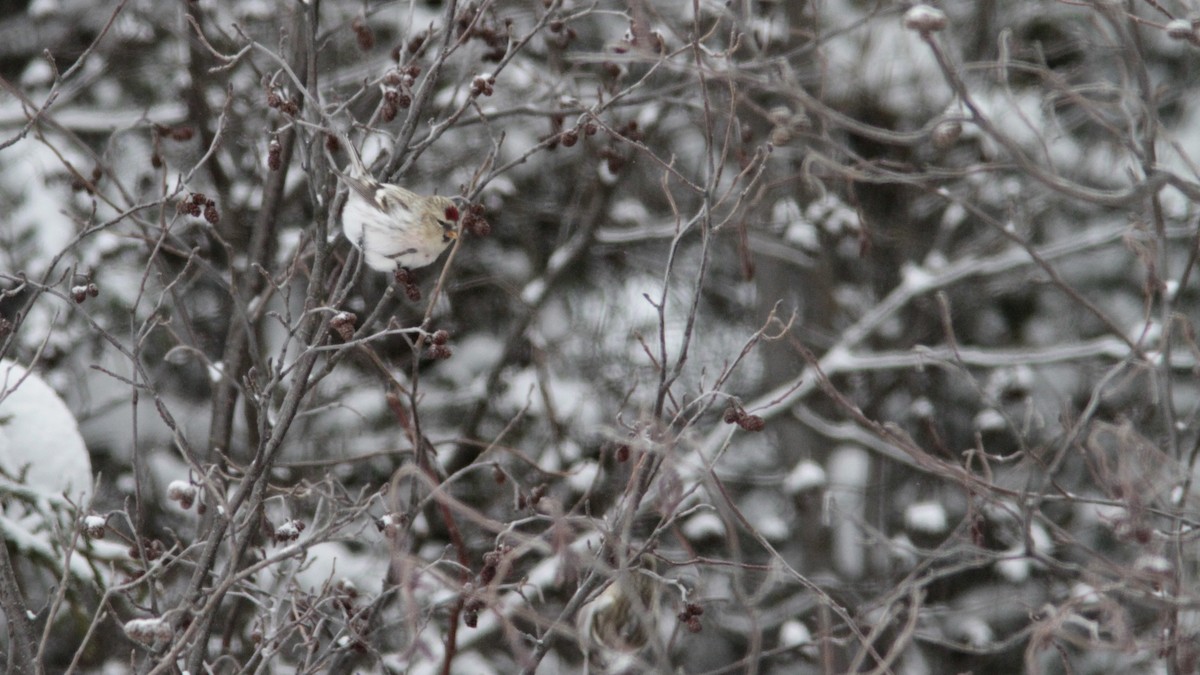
x: 451, y: 213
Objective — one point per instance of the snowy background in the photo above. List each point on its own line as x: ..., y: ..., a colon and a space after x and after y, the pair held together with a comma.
x: 867, y: 330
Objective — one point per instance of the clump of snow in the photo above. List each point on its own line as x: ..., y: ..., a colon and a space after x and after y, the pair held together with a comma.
x: 288, y: 531
x: 1154, y: 564
x: 572, y: 399
x: 1017, y: 565
x: 148, y: 631
x: 1015, y: 381
x: 330, y: 561
x: 39, y: 437
x: 924, y: 19
x: 883, y: 61
x: 902, y: 552
x: 976, y: 632
x: 94, y: 526
x: 849, y: 471
x: 583, y: 476
x: 37, y: 73
x: 630, y: 212
x: 1040, y: 538
x: 989, y: 419
x: 808, y: 475
x: 43, y: 8
x: 917, y: 278
x: 182, y: 492
x: 794, y: 633
x: 473, y: 355
x: 763, y: 510
x: 1014, y: 569
x: 1085, y: 594
x: 1181, y: 29
x: 798, y: 230
x: 704, y: 525
x: 921, y: 408
x: 926, y: 517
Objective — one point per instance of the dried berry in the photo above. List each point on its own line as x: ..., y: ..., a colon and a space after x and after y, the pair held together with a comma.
x: 182, y: 492
x: 288, y: 531
x: 390, y: 525
x: 945, y: 134
x: 482, y: 85
x: 751, y: 423
x: 154, y: 549
x: 536, y: 494
x: 441, y: 337
x: 416, y: 43
x: 487, y: 574
x: 342, y: 323
x: 94, y: 526
x: 363, y: 34
x: 475, y: 223
x: 404, y: 277
x: 274, y: 155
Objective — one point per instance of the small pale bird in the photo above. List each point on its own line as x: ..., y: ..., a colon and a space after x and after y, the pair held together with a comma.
x: 615, y: 626
x: 392, y: 226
